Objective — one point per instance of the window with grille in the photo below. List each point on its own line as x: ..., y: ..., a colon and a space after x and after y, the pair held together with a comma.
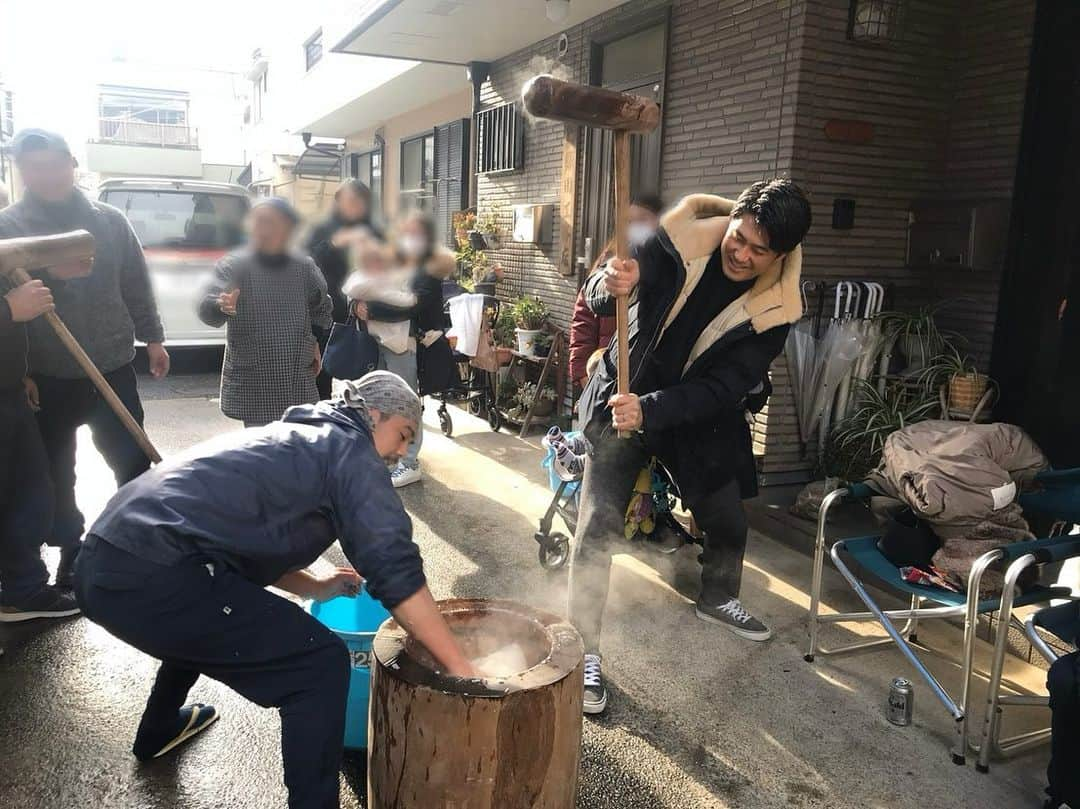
x: 313, y: 50
x: 500, y: 139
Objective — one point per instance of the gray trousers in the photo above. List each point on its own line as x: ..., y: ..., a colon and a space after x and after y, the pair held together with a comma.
x: 610, y: 474
x: 404, y: 365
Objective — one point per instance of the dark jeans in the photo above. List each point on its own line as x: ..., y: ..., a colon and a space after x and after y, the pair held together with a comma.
x: 1063, y: 682
x: 68, y: 404
x: 610, y: 474
x: 199, y: 617
x: 26, y: 501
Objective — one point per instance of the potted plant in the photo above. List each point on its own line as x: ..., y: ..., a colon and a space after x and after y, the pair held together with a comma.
x: 530, y: 313
x: 523, y: 398
x: 503, y: 334
x: 486, y: 233
x: 963, y: 387
x: 855, y: 445
x: 916, y: 334
x: 542, y: 344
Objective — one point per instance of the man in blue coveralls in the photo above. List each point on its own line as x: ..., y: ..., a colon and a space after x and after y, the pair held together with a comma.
x: 178, y: 562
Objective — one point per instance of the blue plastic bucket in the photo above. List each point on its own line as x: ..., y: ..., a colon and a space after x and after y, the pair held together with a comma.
x: 355, y: 621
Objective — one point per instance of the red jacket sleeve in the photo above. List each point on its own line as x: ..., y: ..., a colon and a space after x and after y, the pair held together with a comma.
x: 584, y: 337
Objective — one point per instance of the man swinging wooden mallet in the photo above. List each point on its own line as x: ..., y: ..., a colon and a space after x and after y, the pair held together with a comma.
x: 624, y: 114
x: 66, y: 256
x: 715, y: 292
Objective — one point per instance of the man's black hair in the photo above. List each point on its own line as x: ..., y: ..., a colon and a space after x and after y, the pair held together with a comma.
x: 781, y: 210
x: 648, y: 201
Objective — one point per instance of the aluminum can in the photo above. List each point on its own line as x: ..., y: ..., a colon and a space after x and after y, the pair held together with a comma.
x: 901, y: 702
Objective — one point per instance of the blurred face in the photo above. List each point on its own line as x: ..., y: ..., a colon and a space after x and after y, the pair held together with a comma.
x: 271, y: 231
x: 350, y: 206
x: 642, y: 225
x: 392, y: 436
x: 48, y: 175
x: 412, y: 239
x: 745, y: 253
x: 643, y: 216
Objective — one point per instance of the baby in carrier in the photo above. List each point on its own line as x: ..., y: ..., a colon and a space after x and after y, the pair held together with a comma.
x: 374, y: 279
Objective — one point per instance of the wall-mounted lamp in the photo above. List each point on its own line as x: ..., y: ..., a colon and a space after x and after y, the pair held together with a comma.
x: 874, y: 20
x: 557, y: 10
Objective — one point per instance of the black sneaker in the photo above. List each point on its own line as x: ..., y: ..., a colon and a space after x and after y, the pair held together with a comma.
x: 48, y: 602
x: 192, y: 720
x: 733, y: 615
x: 595, y: 693
x: 65, y: 571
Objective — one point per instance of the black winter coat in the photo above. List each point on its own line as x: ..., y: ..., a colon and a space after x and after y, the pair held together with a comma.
x: 698, y: 427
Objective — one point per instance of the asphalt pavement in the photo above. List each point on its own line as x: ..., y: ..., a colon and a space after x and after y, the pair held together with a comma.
x: 698, y: 719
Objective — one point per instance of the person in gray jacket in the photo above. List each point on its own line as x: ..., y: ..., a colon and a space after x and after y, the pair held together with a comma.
x: 107, y: 311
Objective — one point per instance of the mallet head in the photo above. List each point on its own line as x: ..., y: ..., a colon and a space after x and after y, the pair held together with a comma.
x: 64, y: 255
x: 557, y: 100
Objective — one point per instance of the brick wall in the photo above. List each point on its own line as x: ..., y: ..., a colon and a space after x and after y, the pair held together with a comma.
x: 988, y: 77
x: 946, y: 104
x: 750, y: 86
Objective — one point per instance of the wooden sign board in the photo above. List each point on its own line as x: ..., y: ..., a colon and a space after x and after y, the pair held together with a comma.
x: 568, y: 200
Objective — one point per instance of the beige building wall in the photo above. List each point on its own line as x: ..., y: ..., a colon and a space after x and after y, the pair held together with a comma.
x: 415, y: 122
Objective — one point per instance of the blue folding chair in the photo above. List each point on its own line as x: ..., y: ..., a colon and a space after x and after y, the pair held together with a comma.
x: 877, y: 568
x: 1057, y: 496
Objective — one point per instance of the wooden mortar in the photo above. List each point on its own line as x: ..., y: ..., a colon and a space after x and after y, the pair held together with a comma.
x: 493, y: 743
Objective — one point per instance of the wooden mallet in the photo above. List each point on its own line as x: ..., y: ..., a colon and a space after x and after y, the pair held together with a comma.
x: 624, y: 114
x: 66, y: 256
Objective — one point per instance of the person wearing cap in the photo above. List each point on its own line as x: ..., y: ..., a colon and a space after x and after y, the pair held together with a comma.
x: 274, y: 305
x: 178, y: 561
x: 107, y: 311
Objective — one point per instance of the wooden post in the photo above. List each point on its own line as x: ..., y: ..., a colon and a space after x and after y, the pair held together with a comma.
x: 505, y: 743
x: 568, y: 200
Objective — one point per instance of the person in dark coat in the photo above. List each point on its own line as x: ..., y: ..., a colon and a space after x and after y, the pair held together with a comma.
x: 26, y: 497
x: 588, y: 330
x: 273, y: 303
x: 106, y: 311
x: 177, y: 563
x: 431, y: 264
x: 714, y: 294
x: 329, y: 245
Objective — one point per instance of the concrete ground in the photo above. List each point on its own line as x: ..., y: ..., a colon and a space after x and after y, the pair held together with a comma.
x: 698, y: 718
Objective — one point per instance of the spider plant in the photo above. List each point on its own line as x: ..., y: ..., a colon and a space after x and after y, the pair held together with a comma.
x: 858, y: 440
x: 916, y: 333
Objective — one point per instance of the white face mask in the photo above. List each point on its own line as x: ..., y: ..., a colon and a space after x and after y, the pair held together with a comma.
x: 638, y: 233
x: 412, y: 246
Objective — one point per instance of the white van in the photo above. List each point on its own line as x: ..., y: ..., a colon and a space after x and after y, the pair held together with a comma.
x: 185, y: 226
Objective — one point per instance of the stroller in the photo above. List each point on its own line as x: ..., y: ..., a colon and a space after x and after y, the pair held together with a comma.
x: 465, y: 381
x: 652, y: 512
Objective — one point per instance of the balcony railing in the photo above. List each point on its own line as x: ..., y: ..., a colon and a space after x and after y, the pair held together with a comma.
x: 143, y: 133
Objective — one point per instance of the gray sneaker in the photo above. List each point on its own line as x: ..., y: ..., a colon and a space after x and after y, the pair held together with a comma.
x: 595, y: 693
x: 733, y: 615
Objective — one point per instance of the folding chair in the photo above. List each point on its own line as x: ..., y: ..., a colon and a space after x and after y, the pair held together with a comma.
x: 864, y: 551
x: 1058, y: 497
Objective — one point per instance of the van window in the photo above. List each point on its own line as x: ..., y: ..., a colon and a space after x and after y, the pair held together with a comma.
x: 182, y: 219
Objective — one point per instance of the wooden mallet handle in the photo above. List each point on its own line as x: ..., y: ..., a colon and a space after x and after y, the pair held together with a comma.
x: 100, y: 382
x: 622, y: 251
